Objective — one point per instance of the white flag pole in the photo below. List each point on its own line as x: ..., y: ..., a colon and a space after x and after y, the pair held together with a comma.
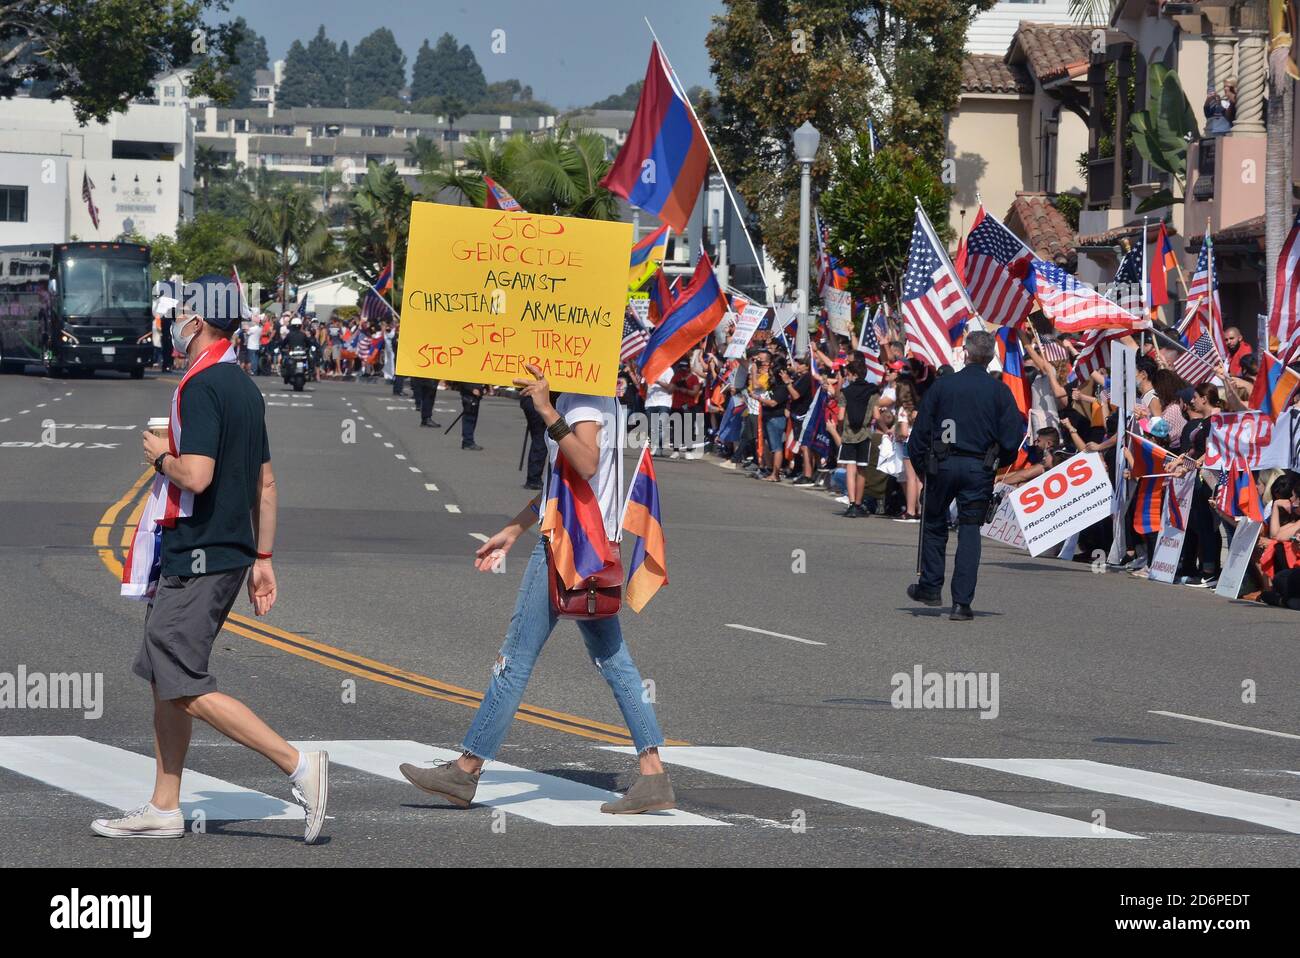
x: 740, y: 218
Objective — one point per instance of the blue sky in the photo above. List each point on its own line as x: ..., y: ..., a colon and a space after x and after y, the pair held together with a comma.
x: 572, y: 53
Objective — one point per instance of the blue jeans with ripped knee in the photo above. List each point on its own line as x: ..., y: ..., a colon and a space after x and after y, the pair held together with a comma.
x: 530, y: 627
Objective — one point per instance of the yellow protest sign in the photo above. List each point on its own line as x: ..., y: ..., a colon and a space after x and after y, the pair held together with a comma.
x: 487, y: 292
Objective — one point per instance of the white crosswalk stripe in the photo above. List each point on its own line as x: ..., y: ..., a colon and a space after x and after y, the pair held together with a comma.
x: 1185, y: 793
x: 543, y: 798
x: 951, y: 811
x: 122, y: 779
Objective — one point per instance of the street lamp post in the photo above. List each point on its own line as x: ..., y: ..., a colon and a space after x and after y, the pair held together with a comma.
x: 805, y: 139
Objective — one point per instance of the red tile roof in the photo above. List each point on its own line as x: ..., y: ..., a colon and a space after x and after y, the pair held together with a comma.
x: 1034, y: 219
x: 989, y: 73
x: 1053, y: 50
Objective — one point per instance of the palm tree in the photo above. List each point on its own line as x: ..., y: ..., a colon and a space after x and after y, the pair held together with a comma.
x: 561, y: 174
x: 379, y: 221
x: 285, y: 238
x: 1092, y: 12
x: 425, y: 152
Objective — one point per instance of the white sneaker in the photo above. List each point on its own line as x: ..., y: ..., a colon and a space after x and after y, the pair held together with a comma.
x: 313, y: 792
x: 142, y: 822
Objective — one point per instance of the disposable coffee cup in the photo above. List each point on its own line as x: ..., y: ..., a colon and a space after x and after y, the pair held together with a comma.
x: 158, y: 426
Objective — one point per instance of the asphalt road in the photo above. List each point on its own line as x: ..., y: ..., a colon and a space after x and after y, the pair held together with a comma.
x: 384, y: 637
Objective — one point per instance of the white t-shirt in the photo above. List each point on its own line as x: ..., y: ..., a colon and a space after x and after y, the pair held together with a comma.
x: 660, y: 392
x: 607, y: 483
x: 255, y: 336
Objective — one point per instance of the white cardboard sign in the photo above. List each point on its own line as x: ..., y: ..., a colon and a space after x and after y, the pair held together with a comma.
x: 1004, y: 528
x: 1062, y: 501
x: 748, y: 322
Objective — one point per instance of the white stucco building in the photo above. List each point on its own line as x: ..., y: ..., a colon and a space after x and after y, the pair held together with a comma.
x: 140, y: 164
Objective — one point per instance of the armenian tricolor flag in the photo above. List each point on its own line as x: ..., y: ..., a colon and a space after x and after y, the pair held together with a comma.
x: 1274, y: 386
x: 646, y: 256
x: 1161, y: 263
x: 1012, y: 358
x: 648, y: 571
x: 1149, y: 464
x: 498, y: 198
x: 574, y: 526
x: 384, y: 282
x: 694, y: 314
x: 661, y: 297
x: 665, y: 158
x: 1237, y: 494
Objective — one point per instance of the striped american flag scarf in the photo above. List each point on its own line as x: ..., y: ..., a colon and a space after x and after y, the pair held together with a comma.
x: 167, y: 502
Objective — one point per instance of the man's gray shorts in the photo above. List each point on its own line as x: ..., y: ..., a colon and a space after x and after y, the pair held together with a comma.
x: 180, y: 626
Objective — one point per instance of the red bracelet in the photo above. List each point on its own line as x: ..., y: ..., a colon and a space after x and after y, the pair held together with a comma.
x: 264, y: 555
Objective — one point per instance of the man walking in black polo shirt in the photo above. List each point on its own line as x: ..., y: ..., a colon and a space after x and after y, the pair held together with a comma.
x: 209, y: 518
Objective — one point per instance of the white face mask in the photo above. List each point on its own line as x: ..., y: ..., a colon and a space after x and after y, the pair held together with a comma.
x: 178, y: 327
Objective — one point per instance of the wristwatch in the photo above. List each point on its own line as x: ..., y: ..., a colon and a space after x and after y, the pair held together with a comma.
x: 157, y: 463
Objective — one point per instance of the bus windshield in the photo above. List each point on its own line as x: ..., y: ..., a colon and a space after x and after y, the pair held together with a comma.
x: 103, y: 288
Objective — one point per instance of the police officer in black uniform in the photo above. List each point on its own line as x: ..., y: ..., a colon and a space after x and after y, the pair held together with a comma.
x: 967, y: 426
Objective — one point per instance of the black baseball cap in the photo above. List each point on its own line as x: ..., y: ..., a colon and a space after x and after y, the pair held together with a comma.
x: 217, y: 298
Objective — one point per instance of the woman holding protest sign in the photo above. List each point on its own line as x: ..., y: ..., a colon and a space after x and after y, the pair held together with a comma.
x: 584, y: 442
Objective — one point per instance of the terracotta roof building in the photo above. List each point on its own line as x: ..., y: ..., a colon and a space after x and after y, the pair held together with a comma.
x: 1040, y: 224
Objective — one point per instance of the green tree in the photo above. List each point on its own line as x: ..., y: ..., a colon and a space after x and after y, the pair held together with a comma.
x: 315, y: 74
x: 621, y: 101
x: 102, y: 54
x: 870, y: 208
x: 303, y: 84
x: 1161, y: 133
x: 378, y: 69
x: 284, y: 241
x: 834, y: 63
x: 249, y: 56
x: 379, y: 222
x: 446, y: 69
x: 199, y: 247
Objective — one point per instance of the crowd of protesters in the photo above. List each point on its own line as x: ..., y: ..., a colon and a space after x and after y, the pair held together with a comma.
x: 755, y: 412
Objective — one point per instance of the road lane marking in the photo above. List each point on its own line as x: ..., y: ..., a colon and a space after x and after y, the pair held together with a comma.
x: 779, y: 635
x: 1185, y: 793
x: 388, y: 445
x: 1208, y: 721
x: 378, y: 435
x: 5, y: 419
x: 430, y: 487
x: 116, y: 777
x: 479, y: 536
x: 398, y: 455
x: 451, y: 508
x: 344, y: 660
x: 24, y: 412
x: 40, y: 405
x: 548, y: 799
x: 937, y: 807
x: 132, y: 521
x: 414, y: 468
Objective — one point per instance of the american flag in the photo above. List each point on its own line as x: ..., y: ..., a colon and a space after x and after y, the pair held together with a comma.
x: 1283, y: 324
x: 635, y: 337
x: 1094, y: 354
x: 1204, y: 308
x: 1126, y: 288
x: 1073, y: 306
x: 869, y: 347
x: 932, y: 298
x: 86, y: 187
x: 1053, y: 351
x: 996, y: 261
x: 1194, y: 365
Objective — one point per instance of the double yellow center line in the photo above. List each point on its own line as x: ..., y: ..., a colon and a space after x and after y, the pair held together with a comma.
x: 126, y: 511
